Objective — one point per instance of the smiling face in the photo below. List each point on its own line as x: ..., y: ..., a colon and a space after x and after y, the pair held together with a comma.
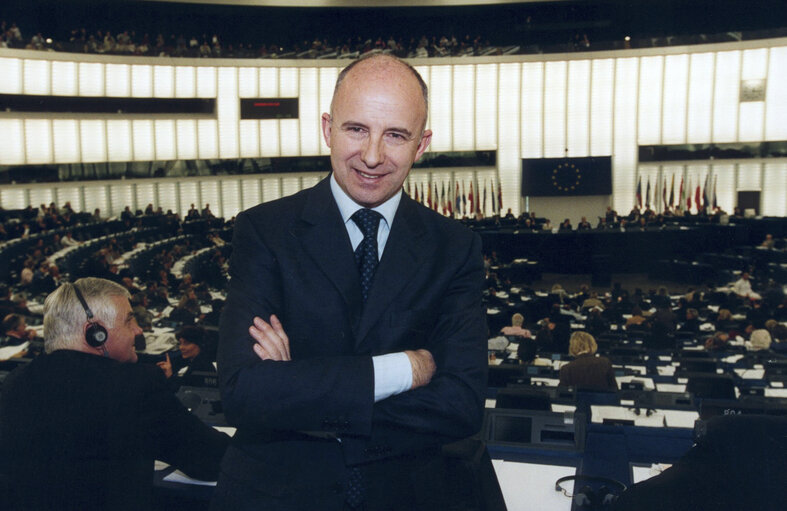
x: 376, y: 130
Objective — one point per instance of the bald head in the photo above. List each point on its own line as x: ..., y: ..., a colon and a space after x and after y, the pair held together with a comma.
x: 382, y: 67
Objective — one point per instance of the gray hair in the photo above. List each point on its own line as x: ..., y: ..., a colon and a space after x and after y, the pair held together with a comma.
x: 65, y: 317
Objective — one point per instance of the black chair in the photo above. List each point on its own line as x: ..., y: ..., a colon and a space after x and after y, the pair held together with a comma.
x: 711, y: 386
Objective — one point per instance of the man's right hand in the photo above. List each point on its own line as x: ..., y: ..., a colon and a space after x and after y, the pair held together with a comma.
x: 423, y: 367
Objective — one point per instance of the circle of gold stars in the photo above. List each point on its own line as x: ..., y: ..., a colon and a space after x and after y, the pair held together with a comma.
x: 566, y: 177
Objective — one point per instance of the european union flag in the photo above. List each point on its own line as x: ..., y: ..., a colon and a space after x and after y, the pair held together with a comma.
x: 564, y: 177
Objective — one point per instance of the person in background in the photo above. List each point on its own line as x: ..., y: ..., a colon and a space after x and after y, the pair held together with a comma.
x: 81, y: 426
x: 587, y: 371
x: 517, y: 320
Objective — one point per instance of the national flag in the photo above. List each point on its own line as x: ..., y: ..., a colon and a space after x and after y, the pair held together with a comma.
x: 408, y: 187
x: 458, y: 200
x: 688, y: 195
x: 483, y: 204
x: 680, y: 193
x: 423, y: 195
x: 470, y: 199
x: 715, y: 204
x: 416, y: 193
x: 464, y: 200
x: 638, y: 199
x: 499, y: 198
x: 672, y: 192
x: 706, y: 191
x: 492, y: 196
x: 697, y: 198
x: 663, y: 193
x: 442, y: 198
x: 429, y: 197
x: 450, y: 202
x: 647, y: 194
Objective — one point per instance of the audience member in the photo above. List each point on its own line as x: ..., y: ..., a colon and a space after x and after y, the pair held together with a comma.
x: 81, y: 426
x: 587, y: 371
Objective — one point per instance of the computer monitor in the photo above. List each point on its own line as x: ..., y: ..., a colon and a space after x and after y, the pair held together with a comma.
x: 534, y: 429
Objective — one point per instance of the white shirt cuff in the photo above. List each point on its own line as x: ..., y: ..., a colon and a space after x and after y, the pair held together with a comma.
x: 393, y: 375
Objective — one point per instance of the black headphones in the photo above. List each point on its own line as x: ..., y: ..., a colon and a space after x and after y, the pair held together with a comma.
x: 95, y: 335
x: 589, y: 498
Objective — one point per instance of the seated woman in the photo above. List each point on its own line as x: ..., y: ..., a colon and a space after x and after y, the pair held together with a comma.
x: 516, y: 329
x: 195, y: 356
x: 587, y: 371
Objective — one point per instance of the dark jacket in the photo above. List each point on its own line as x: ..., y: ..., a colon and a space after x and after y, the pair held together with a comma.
x: 80, y: 431
x: 589, y: 372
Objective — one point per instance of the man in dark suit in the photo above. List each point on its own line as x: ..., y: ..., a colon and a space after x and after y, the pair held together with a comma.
x: 81, y: 426
x: 344, y: 376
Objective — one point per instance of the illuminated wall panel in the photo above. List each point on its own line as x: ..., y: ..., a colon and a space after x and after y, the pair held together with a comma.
x: 144, y: 144
x: 11, y: 71
x: 230, y: 199
x: 624, y: 151
x: 464, y: 108
x: 290, y: 185
x: 440, y: 104
x: 186, y: 133
x: 185, y: 82
x: 118, y: 78
x: 91, y: 79
x: 749, y: 176
x: 141, y: 81
x: 309, y: 112
x: 70, y: 194
x: 206, y: 82
x: 724, y: 179
x: 288, y: 82
x: 725, y: 96
x: 228, y: 110
x: 145, y: 194
x: 650, y: 100
x: 96, y: 197
x: 578, y: 108
x: 37, y: 79
x: 755, y: 64
x: 207, y: 138
x: 249, y: 136
x: 328, y: 77
x: 269, y: 138
x: 555, y: 109
x: 289, y: 140
x: 676, y: 75
x: 163, y: 81
x: 248, y: 82
x: 776, y: 92
x: 38, y: 141
x: 508, y: 153
x: 189, y: 194
x: 700, y: 111
x: 752, y: 121
x: 250, y: 192
x: 167, y: 192
x: 271, y: 189
x: 13, y: 198
x: 602, y: 88
x: 209, y: 193
x: 66, y: 140
x: 309, y: 181
x: 93, y: 140
x: 166, y: 148
x: 64, y: 78
x: 41, y: 195
x: 773, y: 199
x: 486, y: 112
x: 269, y: 82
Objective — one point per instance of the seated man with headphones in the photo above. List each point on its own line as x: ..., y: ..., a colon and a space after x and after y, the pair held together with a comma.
x: 81, y: 426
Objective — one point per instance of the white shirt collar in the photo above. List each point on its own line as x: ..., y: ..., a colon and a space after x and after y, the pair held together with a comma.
x: 347, y: 206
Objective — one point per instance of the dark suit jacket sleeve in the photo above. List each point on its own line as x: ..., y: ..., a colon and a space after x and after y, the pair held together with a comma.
x: 175, y: 435
x: 326, y: 393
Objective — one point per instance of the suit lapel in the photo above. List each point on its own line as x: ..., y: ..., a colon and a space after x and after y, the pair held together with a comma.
x: 405, y: 249
x: 324, y: 238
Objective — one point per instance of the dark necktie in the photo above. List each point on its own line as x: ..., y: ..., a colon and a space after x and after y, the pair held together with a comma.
x: 366, y: 258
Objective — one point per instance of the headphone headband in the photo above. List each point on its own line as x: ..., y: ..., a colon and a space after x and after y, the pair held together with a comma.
x: 84, y: 303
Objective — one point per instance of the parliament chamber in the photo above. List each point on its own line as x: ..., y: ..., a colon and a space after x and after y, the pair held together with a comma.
x: 149, y: 200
